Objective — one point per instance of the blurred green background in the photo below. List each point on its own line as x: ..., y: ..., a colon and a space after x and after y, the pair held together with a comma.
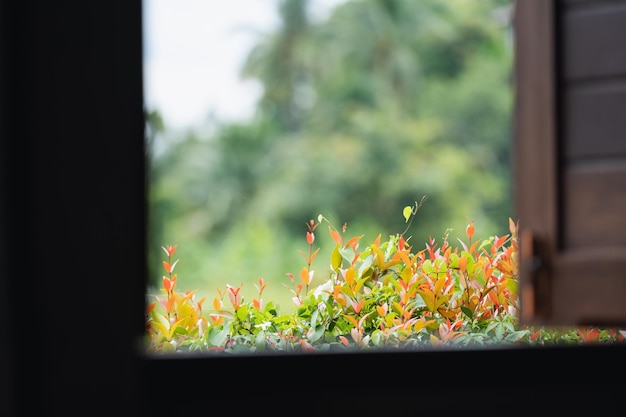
x: 361, y: 114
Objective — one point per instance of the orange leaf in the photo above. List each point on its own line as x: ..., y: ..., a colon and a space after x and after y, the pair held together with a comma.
x: 351, y: 320
x: 304, y: 276
x: 379, y: 260
x: 405, y: 258
x: 382, y: 310
x: 169, y: 305
x: 472, y: 249
x: 350, y: 276
x: 469, y: 230
x: 428, y: 297
x: 313, y: 255
x: 335, y: 235
x: 501, y: 241
x: 353, y: 242
x: 167, y: 267
x: 310, y: 238
x: 262, y: 284
x: 439, y: 284
x: 199, y: 303
x: 462, y: 263
x: 169, y: 250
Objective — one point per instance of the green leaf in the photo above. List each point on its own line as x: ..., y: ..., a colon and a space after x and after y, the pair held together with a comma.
x: 259, y: 340
x: 347, y: 254
x: 367, y: 262
x: 335, y: 258
x: 242, y: 313
x: 217, y: 336
x: 467, y: 312
x: 408, y: 210
x: 319, y: 331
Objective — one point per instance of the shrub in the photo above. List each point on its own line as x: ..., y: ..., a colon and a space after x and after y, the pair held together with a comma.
x: 386, y: 294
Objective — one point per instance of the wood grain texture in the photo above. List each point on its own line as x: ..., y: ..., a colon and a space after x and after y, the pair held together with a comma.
x: 594, y: 124
x: 595, y: 198
x: 594, y: 41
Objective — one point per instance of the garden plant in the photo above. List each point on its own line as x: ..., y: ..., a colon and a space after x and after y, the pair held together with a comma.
x: 381, y: 294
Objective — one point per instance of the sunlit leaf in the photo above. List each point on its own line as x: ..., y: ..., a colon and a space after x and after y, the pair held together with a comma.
x: 406, y: 212
x: 512, y: 227
x: 217, y: 303
x: 428, y: 297
x: 351, y: 320
x: 439, y: 284
x: 335, y: 235
x: 380, y: 257
x: 353, y: 242
x: 349, y: 276
x: 335, y: 258
x: 306, y: 276
x: 382, y: 310
x: 242, y: 313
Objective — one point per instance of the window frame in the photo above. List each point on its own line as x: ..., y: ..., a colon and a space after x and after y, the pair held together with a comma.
x: 72, y: 257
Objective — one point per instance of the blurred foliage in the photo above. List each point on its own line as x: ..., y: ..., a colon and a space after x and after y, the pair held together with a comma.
x: 361, y: 114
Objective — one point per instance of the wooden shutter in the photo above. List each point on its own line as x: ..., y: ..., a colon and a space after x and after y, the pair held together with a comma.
x: 570, y: 160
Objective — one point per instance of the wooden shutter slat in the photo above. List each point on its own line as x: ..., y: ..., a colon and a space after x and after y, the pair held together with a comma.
x: 570, y: 163
x: 596, y: 208
x: 588, y: 35
x: 595, y: 120
x: 588, y: 287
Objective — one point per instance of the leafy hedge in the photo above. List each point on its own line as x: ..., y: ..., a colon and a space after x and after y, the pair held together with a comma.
x: 387, y: 294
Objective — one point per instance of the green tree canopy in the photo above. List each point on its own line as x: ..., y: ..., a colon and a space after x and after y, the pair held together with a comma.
x: 363, y: 113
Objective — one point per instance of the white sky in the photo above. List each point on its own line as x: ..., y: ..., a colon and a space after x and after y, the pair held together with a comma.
x: 193, y: 50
